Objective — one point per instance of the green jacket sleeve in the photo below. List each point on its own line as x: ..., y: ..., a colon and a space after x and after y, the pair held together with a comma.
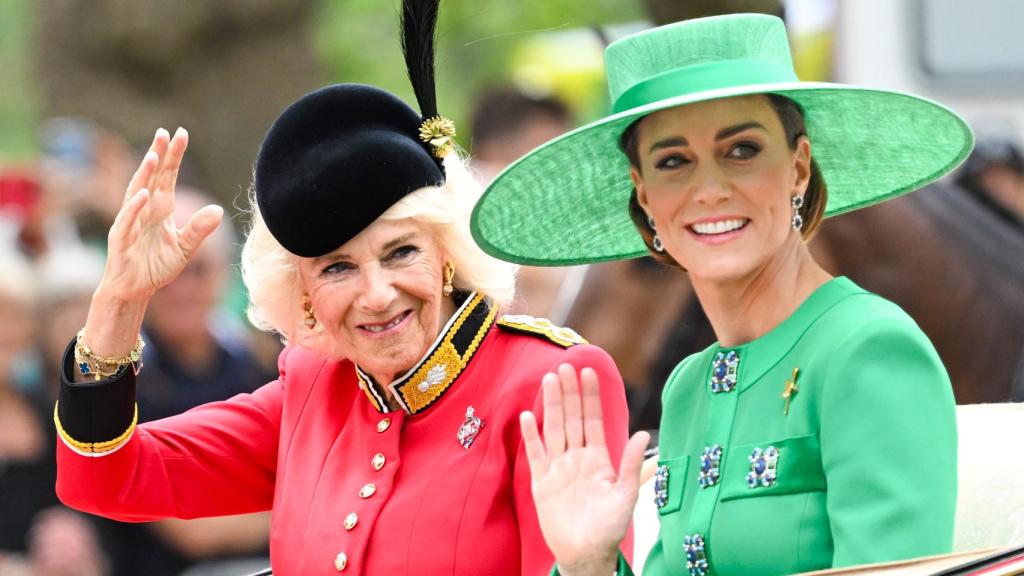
x: 888, y: 445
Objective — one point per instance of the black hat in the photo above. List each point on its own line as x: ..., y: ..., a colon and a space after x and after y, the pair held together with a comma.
x: 340, y: 156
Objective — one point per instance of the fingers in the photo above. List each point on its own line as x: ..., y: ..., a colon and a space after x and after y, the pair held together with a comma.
x: 593, y: 420
x: 143, y: 174
x: 554, y: 420
x: 535, y: 453
x: 143, y: 177
x: 125, y: 229
x: 632, y: 461
x: 167, y: 175
x: 198, y: 227
x: 572, y: 406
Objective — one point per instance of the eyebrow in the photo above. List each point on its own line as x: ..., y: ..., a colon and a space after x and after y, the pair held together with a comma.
x: 733, y: 130
x: 400, y: 240
x: 338, y: 257
x: 721, y: 135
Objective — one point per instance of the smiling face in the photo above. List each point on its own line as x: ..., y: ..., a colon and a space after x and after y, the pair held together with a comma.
x: 378, y: 296
x: 718, y: 178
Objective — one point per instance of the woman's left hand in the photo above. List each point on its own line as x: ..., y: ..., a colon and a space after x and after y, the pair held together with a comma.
x: 583, y: 505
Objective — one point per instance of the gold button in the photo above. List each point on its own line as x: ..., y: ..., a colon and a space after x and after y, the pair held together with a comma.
x: 383, y: 424
x: 367, y: 491
x: 351, y: 520
x: 340, y: 561
x: 378, y: 461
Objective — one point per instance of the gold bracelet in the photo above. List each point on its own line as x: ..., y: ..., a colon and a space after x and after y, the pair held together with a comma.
x: 98, y: 367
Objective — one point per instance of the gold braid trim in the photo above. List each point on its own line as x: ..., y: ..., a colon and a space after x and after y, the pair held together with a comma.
x: 447, y: 358
x: 95, y: 447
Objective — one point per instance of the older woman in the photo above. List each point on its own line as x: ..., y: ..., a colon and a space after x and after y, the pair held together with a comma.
x: 390, y: 442
x: 819, y: 430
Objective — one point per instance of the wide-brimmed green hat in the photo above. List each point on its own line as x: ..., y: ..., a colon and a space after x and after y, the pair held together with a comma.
x: 567, y: 202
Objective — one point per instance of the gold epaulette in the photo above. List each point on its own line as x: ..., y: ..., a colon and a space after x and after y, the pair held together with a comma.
x: 564, y: 337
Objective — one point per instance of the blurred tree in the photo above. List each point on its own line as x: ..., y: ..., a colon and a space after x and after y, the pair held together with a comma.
x: 17, y: 97
x: 668, y: 11
x: 477, y: 40
x: 223, y: 69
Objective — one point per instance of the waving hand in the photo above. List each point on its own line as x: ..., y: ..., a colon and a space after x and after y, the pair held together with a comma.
x: 146, y: 249
x: 583, y: 504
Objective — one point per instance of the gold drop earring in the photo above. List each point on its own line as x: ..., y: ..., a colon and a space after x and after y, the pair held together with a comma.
x: 449, y: 274
x: 307, y: 309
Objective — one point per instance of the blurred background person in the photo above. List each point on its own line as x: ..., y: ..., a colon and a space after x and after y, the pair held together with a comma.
x: 26, y: 441
x: 507, y: 123
x: 38, y: 536
x: 994, y: 174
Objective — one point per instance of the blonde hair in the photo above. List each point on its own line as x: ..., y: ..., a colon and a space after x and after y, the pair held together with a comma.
x: 271, y: 273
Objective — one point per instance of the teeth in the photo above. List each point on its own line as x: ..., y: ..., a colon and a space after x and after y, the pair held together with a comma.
x: 719, y: 227
x: 387, y: 326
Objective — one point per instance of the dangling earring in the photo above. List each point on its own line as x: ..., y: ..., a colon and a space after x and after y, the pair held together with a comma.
x: 798, y: 220
x: 449, y: 274
x: 656, y: 242
x: 307, y: 308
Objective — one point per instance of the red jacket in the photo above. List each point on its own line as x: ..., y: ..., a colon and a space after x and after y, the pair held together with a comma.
x: 347, y: 490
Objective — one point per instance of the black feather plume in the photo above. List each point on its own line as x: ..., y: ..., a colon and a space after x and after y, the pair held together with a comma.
x: 419, y: 20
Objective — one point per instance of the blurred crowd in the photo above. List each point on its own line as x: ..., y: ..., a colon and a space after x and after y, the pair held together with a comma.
x: 54, y: 215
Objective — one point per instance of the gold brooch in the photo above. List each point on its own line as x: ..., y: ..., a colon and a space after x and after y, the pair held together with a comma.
x: 791, y: 390
x: 439, y: 133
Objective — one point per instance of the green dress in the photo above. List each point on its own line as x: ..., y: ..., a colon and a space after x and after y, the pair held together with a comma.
x: 860, y: 467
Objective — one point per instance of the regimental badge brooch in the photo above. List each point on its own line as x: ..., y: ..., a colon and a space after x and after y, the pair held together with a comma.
x: 470, y: 428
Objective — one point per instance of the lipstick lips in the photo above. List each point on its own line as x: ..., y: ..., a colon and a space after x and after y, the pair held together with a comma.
x: 718, y: 230
x: 387, y: 327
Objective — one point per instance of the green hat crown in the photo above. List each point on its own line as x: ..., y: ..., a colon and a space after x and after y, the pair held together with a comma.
x: 697, y: 56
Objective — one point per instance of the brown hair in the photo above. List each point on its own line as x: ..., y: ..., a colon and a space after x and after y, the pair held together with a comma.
x: 793, y: 126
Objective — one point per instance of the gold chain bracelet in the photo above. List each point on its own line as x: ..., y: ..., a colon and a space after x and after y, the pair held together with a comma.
x: 98, y: 367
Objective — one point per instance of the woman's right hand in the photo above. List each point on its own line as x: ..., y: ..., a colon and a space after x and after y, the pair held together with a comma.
x: 584, y: 506
x: 146, y: 251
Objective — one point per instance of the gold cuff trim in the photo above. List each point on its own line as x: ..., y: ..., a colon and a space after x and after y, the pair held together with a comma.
x: 443, y: 363
x: 94, y: 447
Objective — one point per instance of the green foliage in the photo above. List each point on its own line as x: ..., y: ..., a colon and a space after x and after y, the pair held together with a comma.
x: 17, y: 95
x: 357, y: 40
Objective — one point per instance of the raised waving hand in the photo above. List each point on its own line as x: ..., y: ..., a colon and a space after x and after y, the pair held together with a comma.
x: 583, y: 504
x: 145, y: 249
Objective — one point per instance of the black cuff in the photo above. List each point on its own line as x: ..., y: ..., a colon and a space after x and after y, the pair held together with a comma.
x: 98, y: 416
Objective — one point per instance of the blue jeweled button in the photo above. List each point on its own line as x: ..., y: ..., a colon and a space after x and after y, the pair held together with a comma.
x: 763, y: 464
x: 723, y: 372
x: 83, y: 367
x: 710, y: 462
x: 696, y: 559
x: 661, y: 487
